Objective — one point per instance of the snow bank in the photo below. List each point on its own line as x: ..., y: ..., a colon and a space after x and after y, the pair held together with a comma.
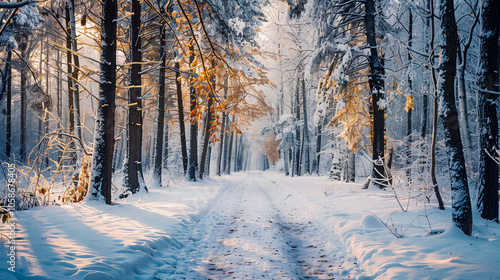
x: 95, y: 241
x: 430, y: 248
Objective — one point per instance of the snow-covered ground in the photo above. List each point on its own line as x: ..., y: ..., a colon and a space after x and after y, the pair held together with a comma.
x: 251, y: 226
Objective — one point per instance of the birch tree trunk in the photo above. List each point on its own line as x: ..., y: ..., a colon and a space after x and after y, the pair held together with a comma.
x: 462, y: 93
x: 351, y: 166
x: 223, y: 143
x: 435, y: 111
x: 462, y: 102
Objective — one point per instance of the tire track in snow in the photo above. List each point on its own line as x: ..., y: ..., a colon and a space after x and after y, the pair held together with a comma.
x: 316, y: 260
x: 247, y: 234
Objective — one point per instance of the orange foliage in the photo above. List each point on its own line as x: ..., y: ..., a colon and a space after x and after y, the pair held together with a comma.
x: 271, y: 147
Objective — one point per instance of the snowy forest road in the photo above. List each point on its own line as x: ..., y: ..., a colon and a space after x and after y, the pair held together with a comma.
x: 255, y: 230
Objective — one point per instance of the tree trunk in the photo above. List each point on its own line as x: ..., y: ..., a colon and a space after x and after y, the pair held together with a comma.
x: 237, y: 146
x: 240, y: 153
x: 426, y: 88
x: 23, y: 106
x: 462, y: 92
x: 225, y: 135
x: 40, y: 116
x: 8, y: 81
x: 121, y: 155
x: 133, y: 163
x: 318, y: 148
x: 180, y: 112
x: 235, y: 152
x: 75, y: 89
x: 71, y: 112
x: 165, y: 146
x: 462, y: 103
x: 297, y: 130
x: 461, y: 205
x: 487, y: 200
x: 208, y: 125
x: 193, y: 142
x: 228, y: 155
x: 305, y: 132
x: 207, y: 135
x: 351, y: 166
x: 377, y: 93
x: 265, y: 163
x: 59, y: 98
x: 101, y: 174
x: 409, y: 110
x: 285, y: 161
x: 337, y: 159
x: 47, y: 90
x: 207, y: 162
x: 425, y: 113
x: 435, y: 112
x: 247, y: 161
x: 222, y: 144
x: 160, y: 122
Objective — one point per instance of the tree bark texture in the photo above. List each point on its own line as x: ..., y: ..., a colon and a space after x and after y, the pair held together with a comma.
x: 134, y: 120
x: 377, y: 93
x: 193, y: 171
x: 101, y: 174
x: 461, y: 205
x: 160, y: 122
x: 487, y: 199
x: 180, y: 112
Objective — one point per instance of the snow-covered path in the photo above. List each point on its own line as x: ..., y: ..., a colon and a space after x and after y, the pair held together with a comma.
x: 254, y: 225
x: 251, y: 232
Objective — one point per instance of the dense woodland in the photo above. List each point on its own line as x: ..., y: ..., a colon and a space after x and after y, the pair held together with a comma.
x: 103, y: 99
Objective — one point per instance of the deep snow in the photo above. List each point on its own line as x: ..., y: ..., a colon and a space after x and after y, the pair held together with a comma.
x: 251, y: 226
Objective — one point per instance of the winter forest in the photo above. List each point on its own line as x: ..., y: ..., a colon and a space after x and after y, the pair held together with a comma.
x: 249, y: 139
